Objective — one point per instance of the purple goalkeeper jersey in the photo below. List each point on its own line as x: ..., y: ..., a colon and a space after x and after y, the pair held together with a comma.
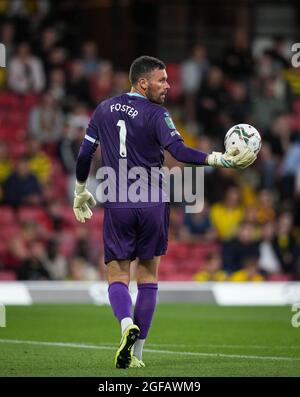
x: 132, y: 132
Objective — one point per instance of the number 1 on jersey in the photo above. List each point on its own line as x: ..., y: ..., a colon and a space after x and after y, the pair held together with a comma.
x: 123, y: 132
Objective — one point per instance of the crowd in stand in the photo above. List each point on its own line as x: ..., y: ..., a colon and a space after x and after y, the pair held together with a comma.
x: 249, y: 229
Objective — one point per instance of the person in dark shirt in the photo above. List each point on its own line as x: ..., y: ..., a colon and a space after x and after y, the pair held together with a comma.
x: 22, y: 187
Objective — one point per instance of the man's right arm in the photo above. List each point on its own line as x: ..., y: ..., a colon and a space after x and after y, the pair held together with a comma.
x: 84, y: 200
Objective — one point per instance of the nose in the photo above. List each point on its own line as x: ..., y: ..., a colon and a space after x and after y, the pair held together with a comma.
x: 167, y: 85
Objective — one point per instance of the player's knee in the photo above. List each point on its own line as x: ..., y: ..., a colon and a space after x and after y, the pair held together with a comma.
x: 118, y: 272
x: 146, y: 274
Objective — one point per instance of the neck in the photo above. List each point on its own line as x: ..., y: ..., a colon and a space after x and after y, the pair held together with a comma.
x: 137, y: 91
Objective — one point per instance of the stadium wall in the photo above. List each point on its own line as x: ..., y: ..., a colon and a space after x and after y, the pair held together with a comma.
x: 221, y: 293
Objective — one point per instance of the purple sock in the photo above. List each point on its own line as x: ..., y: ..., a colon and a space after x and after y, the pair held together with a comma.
x: 144, y: 307
x: 120, y: 300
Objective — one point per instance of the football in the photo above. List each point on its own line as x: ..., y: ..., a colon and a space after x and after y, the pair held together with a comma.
x: 241, y: 136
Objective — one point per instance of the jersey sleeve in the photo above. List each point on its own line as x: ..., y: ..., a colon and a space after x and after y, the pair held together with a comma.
x: 92, y: 132
x: 87, y: 149
x: 165, y: 130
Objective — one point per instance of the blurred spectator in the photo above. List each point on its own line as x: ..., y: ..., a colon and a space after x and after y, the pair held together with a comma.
x: 216, y: 182
x: 5, y: 162
x: 54, y: 213
x: 46, y: 120
x: 193, y: 71
x: 78, y: 119
x: 227, y: 214
x: 57, y: 85
x: 34, y: 267
x: 81, y: 270
x: 238, y: 106
x: 279, y: 52
x: 7, y: 37
x: 55, y: 263
x: 77, y: 85
x: 18, y: 246
x: 198, y: 226
x: 39, y: 162
x: 212, y: 269
x: 8, y: 33
x: 26, y: 73
x: 101, y: 83
x: 57, y: 59
x: 297, y: 267
x: 266, y: 105
x: 269, y: 261
x: 47, y: 41
x: 83, y: 244
x: 68, y: 149
x: 90, y: 58
x: 249, y: 272
x: 285, y: 243
x: 22, y: 8
x: 292, y: 76
x: 237, y: 60
x: 236, y: 250
x: 264, y: 207
x: 265, y: 66
x: 22, y: 187
x: 120, y: 83
x: 290, y: 169
x: 268, y: 166
x: 279, y: 134
x: 211, y: 99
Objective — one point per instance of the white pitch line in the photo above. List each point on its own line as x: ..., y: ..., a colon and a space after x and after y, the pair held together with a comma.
x: 227, y: 346
x: 181, y: 353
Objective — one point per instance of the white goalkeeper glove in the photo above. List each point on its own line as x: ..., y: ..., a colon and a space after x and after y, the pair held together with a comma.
x: 83, y: 202
x: 231, y: 158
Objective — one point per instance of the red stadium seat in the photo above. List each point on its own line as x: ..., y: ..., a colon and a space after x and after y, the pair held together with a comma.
x: 17, y: 149
x: 35, y: 214
x: 279, y: 277
x: 8, y: 99
x: 7, y: 275
x: 96, y: 222
x: 66, y: 245
x: 10, y: 231
x: 7, y: 215
x: 69, y: 220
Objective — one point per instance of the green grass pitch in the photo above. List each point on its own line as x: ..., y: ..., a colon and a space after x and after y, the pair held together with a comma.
x: 185, y: 340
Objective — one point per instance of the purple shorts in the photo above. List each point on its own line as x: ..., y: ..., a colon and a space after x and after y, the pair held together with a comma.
x: 135, y: 232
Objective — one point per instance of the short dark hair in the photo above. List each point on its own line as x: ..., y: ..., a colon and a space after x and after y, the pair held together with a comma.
x: 142, y: 66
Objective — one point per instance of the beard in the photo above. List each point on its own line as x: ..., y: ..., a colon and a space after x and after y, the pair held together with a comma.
x: 154, y: 97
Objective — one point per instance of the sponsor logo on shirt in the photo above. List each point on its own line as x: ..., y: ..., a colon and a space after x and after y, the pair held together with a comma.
x: 169, y: 122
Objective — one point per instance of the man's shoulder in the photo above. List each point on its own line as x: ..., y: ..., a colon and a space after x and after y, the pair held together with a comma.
x: 158, y: 112
x: 159, y: 109
x: 107, y: 102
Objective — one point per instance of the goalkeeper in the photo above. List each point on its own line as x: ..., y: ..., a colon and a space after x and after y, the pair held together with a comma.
x: 137, y: 127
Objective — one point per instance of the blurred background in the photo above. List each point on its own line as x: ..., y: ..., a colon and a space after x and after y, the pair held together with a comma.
x: 227, y: 62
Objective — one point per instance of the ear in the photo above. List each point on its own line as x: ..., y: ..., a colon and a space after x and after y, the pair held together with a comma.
x: 143, y: 83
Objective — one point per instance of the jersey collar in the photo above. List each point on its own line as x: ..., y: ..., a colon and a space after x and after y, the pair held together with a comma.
x: 136, y: 94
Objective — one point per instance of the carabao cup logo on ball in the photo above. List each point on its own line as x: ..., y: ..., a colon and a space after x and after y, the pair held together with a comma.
x: 243, y: 136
